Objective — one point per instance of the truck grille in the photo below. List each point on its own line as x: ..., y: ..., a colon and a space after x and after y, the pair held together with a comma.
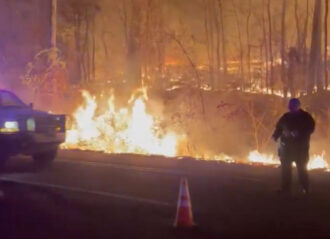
x: 46, y: 124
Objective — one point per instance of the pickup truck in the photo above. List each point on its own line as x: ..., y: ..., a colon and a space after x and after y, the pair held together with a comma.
x: 26, y: 131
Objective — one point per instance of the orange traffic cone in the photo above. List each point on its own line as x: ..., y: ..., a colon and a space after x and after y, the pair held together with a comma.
x: 184, y: 217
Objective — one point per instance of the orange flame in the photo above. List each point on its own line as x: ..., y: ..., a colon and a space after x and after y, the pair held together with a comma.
x: 119, y: 131
x: 133, y: 130
x: 316, y: 162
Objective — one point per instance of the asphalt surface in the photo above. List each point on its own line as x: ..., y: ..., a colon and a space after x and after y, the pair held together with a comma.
x: 92, y: 195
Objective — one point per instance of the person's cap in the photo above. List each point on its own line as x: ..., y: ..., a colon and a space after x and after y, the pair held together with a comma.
x: 294, y: 102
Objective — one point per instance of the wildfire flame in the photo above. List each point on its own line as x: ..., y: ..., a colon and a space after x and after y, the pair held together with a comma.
x: 133, y: 130
x: 119, y: 131
x: 316, y: 162
x: 256, y: 157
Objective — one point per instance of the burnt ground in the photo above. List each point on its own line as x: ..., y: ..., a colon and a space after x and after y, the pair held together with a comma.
x: 229, y: 200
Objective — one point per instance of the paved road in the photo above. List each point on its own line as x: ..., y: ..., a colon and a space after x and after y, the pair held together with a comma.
x: 92, y: 195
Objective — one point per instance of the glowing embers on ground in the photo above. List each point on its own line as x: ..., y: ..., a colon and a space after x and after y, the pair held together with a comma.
x: 316, y: 161
x: 118, y: 131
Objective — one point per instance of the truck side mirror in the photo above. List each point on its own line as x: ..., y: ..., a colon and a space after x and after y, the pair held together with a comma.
x: 31, y: 105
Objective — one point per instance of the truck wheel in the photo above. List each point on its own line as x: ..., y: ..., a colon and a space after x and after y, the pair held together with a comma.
x: 4, y: 156
x: 3, y: 161
x: 45, y: 157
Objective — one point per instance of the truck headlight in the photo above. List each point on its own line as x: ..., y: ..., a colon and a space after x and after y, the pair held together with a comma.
x: 10, y: 127
x: 31, y: 124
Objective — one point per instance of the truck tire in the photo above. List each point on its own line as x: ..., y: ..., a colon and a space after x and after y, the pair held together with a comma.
x: 3, y: 161
x: 4, y: 156
x: 45, y: 158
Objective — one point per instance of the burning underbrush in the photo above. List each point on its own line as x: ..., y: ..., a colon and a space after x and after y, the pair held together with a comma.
x: 229, y: 127
x: 316, y: 161
x: 125, y: 130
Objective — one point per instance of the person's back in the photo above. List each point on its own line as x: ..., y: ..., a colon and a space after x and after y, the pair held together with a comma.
x: 294, y: 129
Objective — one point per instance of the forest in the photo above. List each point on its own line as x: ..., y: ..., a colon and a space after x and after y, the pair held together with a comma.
x: 226, y: 65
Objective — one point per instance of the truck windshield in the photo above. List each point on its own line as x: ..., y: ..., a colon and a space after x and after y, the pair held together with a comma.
x: 8, y: 99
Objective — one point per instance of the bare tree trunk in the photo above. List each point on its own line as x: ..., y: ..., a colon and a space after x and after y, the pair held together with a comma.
x: 315, y: 54
x: 271, y: 76
x: 326, y: 44
x: 264, y: 30
x: 283, y: 29
x: 248, y: 45
x: 78, y: 37
x: 54, y: 24
x: 146, y: 42
x: 299, y: 40
x: 93, y: 46
x: 304, y: 35
x: 124, y: 18
x: 261, y: 55
x: 106, y: 63
x: 224, y: 46
x: 242, y: 86
x: 133, y: 70
x: 87, y: 50
x: 218, y: 60
x: 304, y: 54
x: 53, y: 57
x: 209, y: 37
x: 161, y: 41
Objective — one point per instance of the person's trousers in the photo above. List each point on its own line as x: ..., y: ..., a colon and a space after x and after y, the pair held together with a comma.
x: 300, y: 156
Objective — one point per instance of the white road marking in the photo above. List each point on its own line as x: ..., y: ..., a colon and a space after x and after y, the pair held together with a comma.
x: 85, y: 191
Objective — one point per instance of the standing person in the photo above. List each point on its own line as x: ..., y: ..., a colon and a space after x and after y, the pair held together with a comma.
x: 294, y: 130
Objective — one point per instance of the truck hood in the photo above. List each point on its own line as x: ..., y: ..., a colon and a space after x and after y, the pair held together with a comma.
x: 16, y: 113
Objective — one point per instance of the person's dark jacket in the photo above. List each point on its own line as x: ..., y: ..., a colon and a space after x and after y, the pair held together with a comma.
x: 294, y: 127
